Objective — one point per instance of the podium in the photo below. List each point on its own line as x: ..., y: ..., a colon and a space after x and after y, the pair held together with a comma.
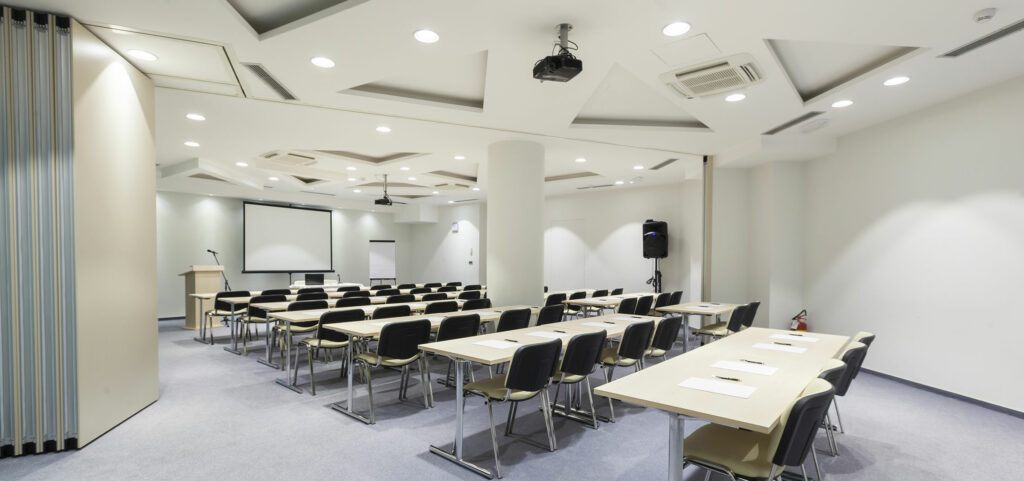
x: 198, y: 280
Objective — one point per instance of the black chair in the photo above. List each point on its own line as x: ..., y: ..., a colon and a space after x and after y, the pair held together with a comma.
x: 457, y: 327
x: 467, y: 295
x: 289, y: 330
x: 719, y: 330
x: 582, y: 353
x: 387, y: 292
x: 257, y: 315
x: 307, y: 290
x: 407, y: 286
x: 643, y: 305
x: 380, y: 286
x: 575, y: 309
x: 545, y: 289
x: 550, y: 314
x: 311, y: 296
x: 513, y: 319
x: 447, y: 289
x: 555, y: 299
x: 751, y: 313
x: 453, y: 284
x: 600, y: 293
x: 675, y: 298
x: 420, y: 290
x: 474, y: 304
x: 662, y: 300
x: 442, y: 307
x: 853, y: 356
x: 597, y: 293
x: 437, y: 296
x: 864, y: 337
x: 307, y: 305
x: 275, y: 292
x: 357, y: 294
x: 349, y: 289
x: 399, y: 346
x: 742, y: 454
x: 400, y: 298
x: 627, y: 306
x: 665, y: 336
x: 833, y: 373
x: 629, y: 352
x: 386, y: 312
x: 352, y: 302
x: 472, y: 287
x: 223, y: 310
x: 529, y: 374
x: 432, y: 284
x: 328, y: 339
x: 617, y: 291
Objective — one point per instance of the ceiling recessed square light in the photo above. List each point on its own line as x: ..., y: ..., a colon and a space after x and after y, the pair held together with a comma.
x: 322, y: 62
x: 357, y: 191
x: 839, y: 104
x: 735, y: 97
x: 460, y: 157
x: 350, y: 168
x: 383, y: 129
x: 412, y: 178
x: 580, y: 160
x: 675, y: 29
x: 191, y: 143
x: 242, y: 164
x: 351, y: 179
x: 619, y: 182
x: 426, y: 36
x: 451, y: 201
x: 435, y: 192
x: 141, y: 55
x: 403, y: 168
x: 638, y: 167
x: 896, y: 81
x: 273, y: 179
x: 195, y: 117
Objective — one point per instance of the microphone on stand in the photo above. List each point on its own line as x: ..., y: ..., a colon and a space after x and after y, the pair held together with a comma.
x: 211, y: 251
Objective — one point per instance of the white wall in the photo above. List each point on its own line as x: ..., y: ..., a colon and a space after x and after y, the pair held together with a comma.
x: 440, y: 255
x: 189, y: 224
x: 608, y: 226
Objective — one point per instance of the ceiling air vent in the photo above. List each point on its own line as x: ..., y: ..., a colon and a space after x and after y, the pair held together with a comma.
x: 663, y: 164
x: 261, y: 72
x: 981, y: 42
x: 802, y: 118
x: 574, y: 175
x: 710, y: 79
x: 585, y: 187
x: 293, y: 160
x: 465, y: 200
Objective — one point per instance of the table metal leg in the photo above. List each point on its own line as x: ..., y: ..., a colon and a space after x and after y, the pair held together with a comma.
x: 286, y: 382
x: 268, y: 326
x: 232, y: 325
x: 347, y: 409
x: 202, y: 324
x: 455, y: 456
x: 676, y: 434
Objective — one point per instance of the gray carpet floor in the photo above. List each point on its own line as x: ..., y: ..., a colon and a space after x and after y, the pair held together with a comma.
x: 221, y: 416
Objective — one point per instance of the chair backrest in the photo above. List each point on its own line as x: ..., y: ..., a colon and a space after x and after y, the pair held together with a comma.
x: 400, y: 298
x: 533, y: 365
x: 627, y: 306
x: 401, y: 340
x: 380, y: 286
x: 751, y: 312
x: 635, y: 340
x: 274, y: 292
x: 442, y: 306
x: 453, y: 284
x: 348, y: 289
x: 352, y: 302
x: 435, y: 296
x: 226, y: 306
x: 472, y: 287
x: 676, y: 298
x: 662, y: 300
x: 307, y: 305
x: 578, y: 295
x: 739, y: 314
x: 398, y: 310
x: 555, y: 299
x: 583, y: 352
x: 864, y: 337
x: 333, y: 317
x: 600, y: 293
x: 545, y: 289
x: 257, y: 312
x: 474, y: 304
x: 407, y: 286
x: 387, y: 292
x: 833, y: 372
x: 513, y: 319
x: 420, y: 290
x: 802, y: 424
x: 357, y: 294
x: 447, y: 289
x: 617, y: 291
x: 643, y: 305
x: 469, y: 295
x: 550, y: 314
x: 457, y: 327
x: 666, y: 333
x: 307, y: 290
x: 311, y: 296
x: 853, y: 357
x: 432, y: 284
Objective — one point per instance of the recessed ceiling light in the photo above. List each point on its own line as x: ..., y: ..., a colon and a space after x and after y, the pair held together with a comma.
x: 426, y: 36
x: 675, y: 29
x: 451, y: 201
x: 896, y: 81
x: 273, y: 179
x: 242, y: 164
x: 412, y: 178
x: 357, y: 191
x: 211, y: 195
x: 435, y: 192
x: 842, y: 103
x: 191, y: 143
x: 383, y: 129
x: 322, y: 62
x: 638, y: 167
x: 403, y: 168
x: 351, y: 179
x: 619, y: 182
x: 195, y: 117
x: 735, y: 97
x: 141, y: 55
x: 350, y: 168
x: 580, y: 160
x: 476, y: 189
x: 460, y: 157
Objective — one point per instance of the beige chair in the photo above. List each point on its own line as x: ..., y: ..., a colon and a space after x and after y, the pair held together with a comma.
x: 722, y: 329
x: 398, y: 347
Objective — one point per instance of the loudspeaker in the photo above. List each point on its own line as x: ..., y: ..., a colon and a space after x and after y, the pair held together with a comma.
x: 655, y: 239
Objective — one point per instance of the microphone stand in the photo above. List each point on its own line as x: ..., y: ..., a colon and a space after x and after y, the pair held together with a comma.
x: 227, y: 285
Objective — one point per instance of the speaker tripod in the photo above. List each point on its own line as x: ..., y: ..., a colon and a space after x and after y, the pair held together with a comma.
x: 655, y: 280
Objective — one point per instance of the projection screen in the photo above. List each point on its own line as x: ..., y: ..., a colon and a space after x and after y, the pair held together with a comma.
x: 286, y: 239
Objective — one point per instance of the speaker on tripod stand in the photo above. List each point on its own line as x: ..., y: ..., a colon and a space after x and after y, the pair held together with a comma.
x: 655, y: 247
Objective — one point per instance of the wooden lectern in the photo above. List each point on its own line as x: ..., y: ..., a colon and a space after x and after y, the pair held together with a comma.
x: 198, y: 280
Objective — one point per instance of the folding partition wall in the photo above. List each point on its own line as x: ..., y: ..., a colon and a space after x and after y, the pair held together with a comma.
x: 38, y: 391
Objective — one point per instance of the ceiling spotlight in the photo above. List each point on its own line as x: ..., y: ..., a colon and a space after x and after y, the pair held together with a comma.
x: 195, y: 117
x: 435, y: 192
x: 242, y: 164
x: 412, y: 178
x: 735, y: 97
x: 476, y: 189
x: 350, y: 168
x: 322, y: 62
x: 460, y: 157
x: 191, y: 143
x: 403, y: 168
x: 383, y: 129
x: 619, y: 182
x: 141, y: 55
x: 426, y: 36
x: 351, y: 179
x: 638, y: 167
x: 451, y: 201
x: 580, y: 160
x: 896, y: 81
x: 357, y: 191
x: 675, y: 29
x: 839, y: 104
x: 273, y: 179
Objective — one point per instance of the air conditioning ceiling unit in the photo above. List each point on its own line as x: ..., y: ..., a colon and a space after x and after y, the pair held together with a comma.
x: 713, y: 78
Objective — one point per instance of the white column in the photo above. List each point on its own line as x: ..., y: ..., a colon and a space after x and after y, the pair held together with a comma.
x: 515, y: 223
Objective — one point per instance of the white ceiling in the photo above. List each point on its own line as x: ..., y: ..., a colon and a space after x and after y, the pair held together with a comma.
x: 430, y: 95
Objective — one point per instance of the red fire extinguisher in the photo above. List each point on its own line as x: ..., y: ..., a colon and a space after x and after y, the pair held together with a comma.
x: 799, y: 322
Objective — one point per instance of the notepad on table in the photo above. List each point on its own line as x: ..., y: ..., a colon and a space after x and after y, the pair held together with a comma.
x: 729, y: 388
x: 629, y: 319
x: 435, y: 319
x: 598, y: 324
x: 780, y: 347
x: 379, y: 323
x: 793, y: 337
x: 487, y: 313
x: 496, y: 344
x: 548, y: 334
x: 746, y: 367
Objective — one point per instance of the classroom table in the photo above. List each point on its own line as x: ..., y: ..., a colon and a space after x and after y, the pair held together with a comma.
x: 702, y: 309
x: 203, y: 297
x: 606, y: 302
x: 371, y: 329
x: 658, y: 386
x: 468, y: 350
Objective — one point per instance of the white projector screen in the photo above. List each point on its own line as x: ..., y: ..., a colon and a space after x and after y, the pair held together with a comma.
x: 286, y: 239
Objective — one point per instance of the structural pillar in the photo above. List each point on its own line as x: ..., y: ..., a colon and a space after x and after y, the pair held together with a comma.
x: 515, y: 223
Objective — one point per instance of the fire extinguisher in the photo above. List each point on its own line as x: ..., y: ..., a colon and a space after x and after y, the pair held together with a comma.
x: 799, y: 322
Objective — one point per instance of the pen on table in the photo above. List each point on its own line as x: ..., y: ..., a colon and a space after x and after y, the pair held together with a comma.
x: 563, y: 332
x: 727, y: 378
x: 752, y: 362
x: 608, y: 322
x: 512, y: 340
x: 781, y: 343
x: 795, y: 334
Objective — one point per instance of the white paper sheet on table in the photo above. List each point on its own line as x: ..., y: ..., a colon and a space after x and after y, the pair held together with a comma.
x: 496, y: 344
x: 435, y: 319
x: 548, y: 334
x: 780, y: 347
x: 746, y: 367
x: 486, y: 313
x: 597, y: 324
x: 629, y: 319
x: 729, y: 388
x: 793, y: 337
x: 379, y: 323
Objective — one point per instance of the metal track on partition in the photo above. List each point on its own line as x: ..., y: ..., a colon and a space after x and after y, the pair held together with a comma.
x: 38, y: 390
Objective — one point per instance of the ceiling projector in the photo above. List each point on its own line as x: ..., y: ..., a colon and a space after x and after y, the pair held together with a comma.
x: 563, y: 66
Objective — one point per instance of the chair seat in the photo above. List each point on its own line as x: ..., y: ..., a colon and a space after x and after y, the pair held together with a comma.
x: 610, y: 357
x: 253, y: 319
x: 372, y: 359
x: 569, y: 378
x: 314, y: 342
x: 743, y: 452
x: 296, y: 328
x: 653, y: 352
x: 494, y: 388
x: 718, y: 330
x: 219, y: 312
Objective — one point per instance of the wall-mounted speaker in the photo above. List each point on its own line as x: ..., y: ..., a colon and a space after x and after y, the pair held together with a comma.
x: 655, y: 239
